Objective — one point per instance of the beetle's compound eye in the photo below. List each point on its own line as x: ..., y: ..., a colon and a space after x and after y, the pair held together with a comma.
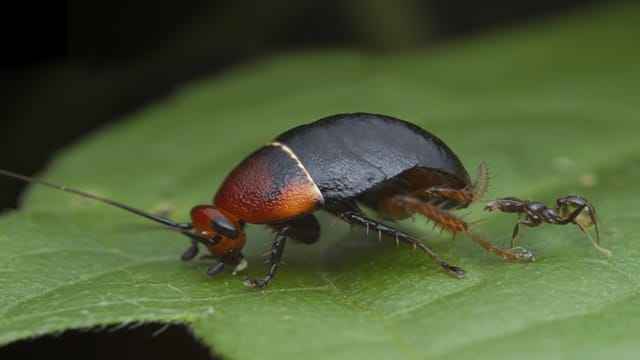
x: 224, y: 227
x: 220, y: 226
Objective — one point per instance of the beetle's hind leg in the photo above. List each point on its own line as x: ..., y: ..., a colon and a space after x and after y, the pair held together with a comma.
x: 448, y: 221
x: 466, y: 195
x: 356, y: 218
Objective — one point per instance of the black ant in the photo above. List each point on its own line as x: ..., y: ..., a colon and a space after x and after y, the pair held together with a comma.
x: 570, y: 209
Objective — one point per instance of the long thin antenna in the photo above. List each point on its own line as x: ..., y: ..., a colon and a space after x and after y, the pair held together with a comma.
x: 162, y: 220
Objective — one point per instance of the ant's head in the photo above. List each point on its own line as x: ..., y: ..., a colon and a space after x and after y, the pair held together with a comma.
x: 211, y: 222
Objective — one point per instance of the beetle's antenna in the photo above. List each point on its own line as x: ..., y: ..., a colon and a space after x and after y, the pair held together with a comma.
x: 182, y: 227
x: 187, y: 233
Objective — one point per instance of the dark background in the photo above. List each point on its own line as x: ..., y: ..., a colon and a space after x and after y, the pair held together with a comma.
x: 67, y: 68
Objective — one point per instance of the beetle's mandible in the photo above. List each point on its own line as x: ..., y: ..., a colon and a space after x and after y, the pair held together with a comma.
x: 338, y: 164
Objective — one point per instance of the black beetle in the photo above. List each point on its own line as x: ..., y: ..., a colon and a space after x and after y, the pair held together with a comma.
x: 337, y: 164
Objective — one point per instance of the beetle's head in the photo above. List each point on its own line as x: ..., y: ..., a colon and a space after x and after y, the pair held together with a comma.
x: 211, y: 222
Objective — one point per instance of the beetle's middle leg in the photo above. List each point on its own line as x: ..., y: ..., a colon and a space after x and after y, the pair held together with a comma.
x: 408, y: 204
x: 305, y: 229
x: 274, y: 259
x: 356, y: 218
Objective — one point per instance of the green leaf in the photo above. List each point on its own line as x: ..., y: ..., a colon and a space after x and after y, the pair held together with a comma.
x: 552, y: 108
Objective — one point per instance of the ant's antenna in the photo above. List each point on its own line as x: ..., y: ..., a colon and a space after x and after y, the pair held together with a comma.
x: 182, y: 227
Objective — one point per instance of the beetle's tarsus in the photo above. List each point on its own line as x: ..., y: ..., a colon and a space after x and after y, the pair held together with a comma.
x: 456, y: 271
x: 253, y: 283
x: 523, y: 253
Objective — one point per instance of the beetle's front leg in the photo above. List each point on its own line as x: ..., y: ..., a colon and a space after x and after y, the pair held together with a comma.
x: 191, y: 251
x: 274, y: 259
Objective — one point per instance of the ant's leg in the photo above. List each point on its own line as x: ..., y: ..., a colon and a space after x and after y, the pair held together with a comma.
x: 573, y: 218
x: 357, y: 218
x: 517, y: 228
x: 276, y: 255
x: 514, y: 235
x: 594, y: 242
x: 454, y: 224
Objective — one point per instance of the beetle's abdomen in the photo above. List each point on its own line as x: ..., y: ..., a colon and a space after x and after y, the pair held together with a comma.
x: 269, y: 186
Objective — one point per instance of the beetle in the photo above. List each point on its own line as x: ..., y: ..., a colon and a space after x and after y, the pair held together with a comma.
x: 338, y: 164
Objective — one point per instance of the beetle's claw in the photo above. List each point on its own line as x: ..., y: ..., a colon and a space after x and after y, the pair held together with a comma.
x: 456, y: 271
x: 528, y: 255
x: 248, y: 282
x: 253, y: 283
x: 523, y: 254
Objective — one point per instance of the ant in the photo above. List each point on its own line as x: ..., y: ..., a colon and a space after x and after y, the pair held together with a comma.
x: 569, y: 209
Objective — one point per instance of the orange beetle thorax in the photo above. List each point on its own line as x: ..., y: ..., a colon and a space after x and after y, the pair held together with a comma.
x: 212, y: 222
x: 270, y: 186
